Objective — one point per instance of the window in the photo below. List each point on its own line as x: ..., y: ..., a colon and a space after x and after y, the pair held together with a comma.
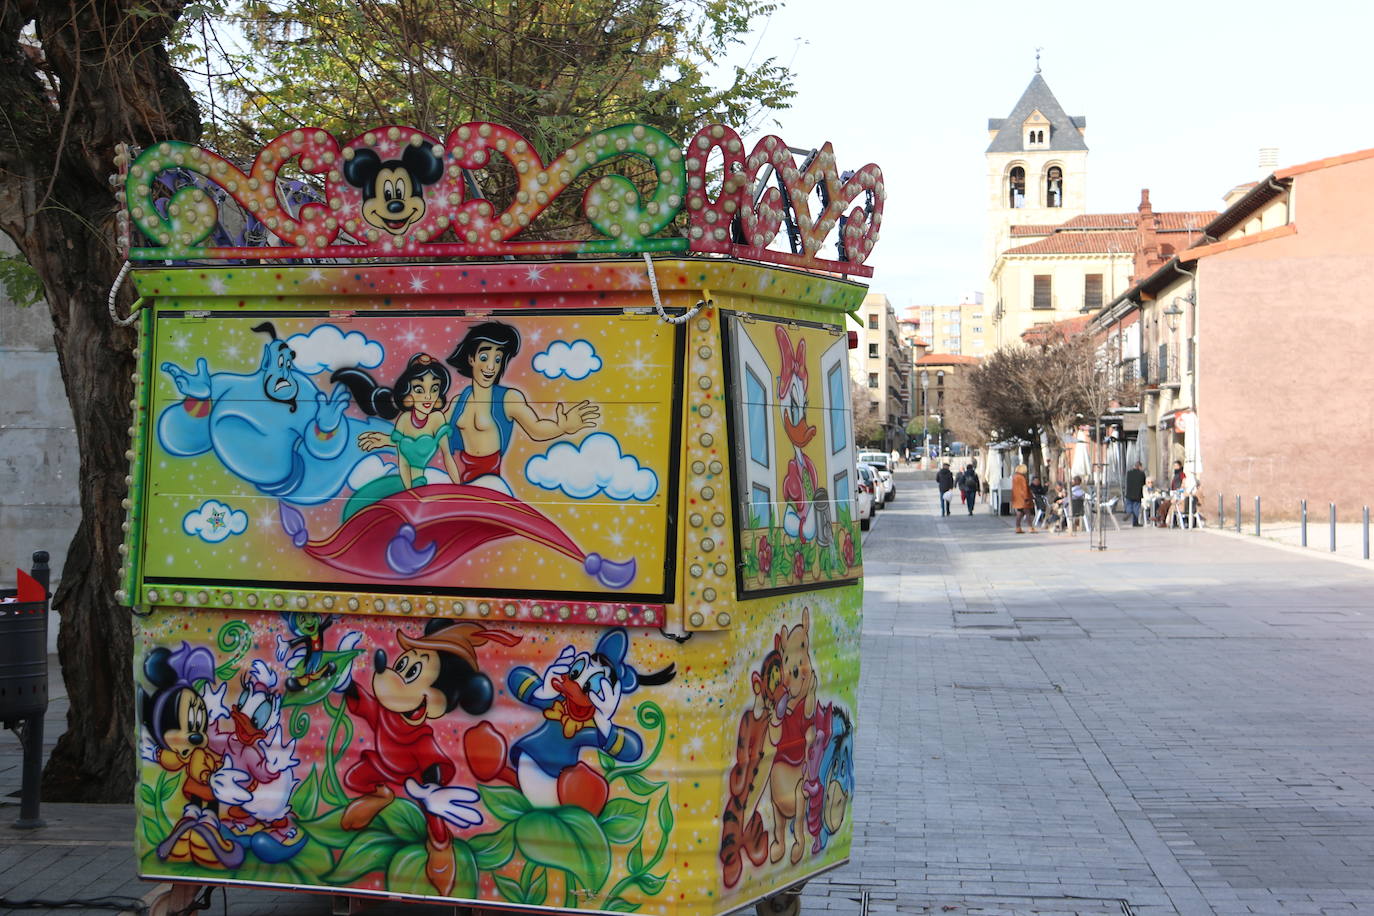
x: 977, y: 329
x: 1092, y: 291
x: 872, y: 380
x: 1054, y: 187
x: 761, y: 506
x: 872, y: 351
x: 756, y: 405
x: 873, y: 322
x: 840, y: 487
x: 1042, y: 292
x: 1016, y: 188
x: 839, y: 427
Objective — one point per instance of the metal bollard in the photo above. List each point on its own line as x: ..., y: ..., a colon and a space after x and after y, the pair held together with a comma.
x: 1221, y: 512
x: 1237, y: 513
x: 1257, y: 516
x: 1302, y: 511
x: 1333, y: 527
x: 1366, y: 532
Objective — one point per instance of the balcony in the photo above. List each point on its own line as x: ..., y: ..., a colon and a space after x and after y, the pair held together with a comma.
x: 1156, y: 374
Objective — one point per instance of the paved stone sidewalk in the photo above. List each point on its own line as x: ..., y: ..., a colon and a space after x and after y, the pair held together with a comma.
x: 1183, y: 723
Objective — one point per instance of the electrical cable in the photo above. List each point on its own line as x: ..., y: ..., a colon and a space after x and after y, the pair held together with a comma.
x: 118, y: 904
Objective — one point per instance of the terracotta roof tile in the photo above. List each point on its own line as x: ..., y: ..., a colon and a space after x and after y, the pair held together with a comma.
x: 1038, y: 333
x: 1033, y: 229
x: 1082, y: 243
x: 947, y: 359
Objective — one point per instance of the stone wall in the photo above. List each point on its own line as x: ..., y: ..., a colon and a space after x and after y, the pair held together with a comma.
x: 39, y: 464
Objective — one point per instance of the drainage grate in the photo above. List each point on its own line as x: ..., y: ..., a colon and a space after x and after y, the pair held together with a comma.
x: 885, y: 902
x: 1014, y: 688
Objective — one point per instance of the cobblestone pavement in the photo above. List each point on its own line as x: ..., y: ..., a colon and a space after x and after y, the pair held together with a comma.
x: 1182, y: 723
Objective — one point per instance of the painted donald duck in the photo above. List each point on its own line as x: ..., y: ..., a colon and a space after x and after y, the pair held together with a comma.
x: 579, y: 695
x: 807, y: 513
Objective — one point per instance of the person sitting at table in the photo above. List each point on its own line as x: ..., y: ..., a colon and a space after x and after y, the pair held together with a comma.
x: 1078, y: 498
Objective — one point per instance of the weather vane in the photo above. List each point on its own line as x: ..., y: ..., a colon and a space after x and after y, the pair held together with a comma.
x: 1037, y: 59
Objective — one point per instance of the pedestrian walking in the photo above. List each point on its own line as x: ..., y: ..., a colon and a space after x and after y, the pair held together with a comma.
x: 944, y: 479
x: 1135, y: 493
x: 968, y: 488
x: 1078, y: 499
x: 1021, y: 499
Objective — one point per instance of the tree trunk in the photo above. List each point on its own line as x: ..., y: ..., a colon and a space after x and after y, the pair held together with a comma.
x: 89, y: 75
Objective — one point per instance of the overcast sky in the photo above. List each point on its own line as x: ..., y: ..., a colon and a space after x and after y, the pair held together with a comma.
x: 1179, y: 98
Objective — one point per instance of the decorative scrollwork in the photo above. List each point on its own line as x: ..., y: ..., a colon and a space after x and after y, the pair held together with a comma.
x: 399, y: 192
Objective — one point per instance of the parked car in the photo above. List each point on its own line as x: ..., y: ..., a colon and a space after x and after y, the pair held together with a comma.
x: 877, y: 459
x: 865, y: 502
x: 889, y: 485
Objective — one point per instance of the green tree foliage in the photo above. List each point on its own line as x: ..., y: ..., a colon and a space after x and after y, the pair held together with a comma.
x: 552, y: 70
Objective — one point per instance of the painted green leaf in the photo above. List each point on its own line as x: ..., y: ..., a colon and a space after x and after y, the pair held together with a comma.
x: 166, y: 788
x: 403, y: 819
x: 568, y: 839
x: 665, y: 815
x: 406, y: 870
x: 539, y: 888
x: 313, y: 861
x: 316, y: 691
x: 623, y: 819
x: 371, y: 850
x: 492, y: 850
x: 508, y: 889
x: 650, y: 883
x: 329, y: 831
x: 634, y: 862
x: 150, y: 832
x: 641, y: 786
x: 608, y: 762
x: 526, y: 876
x: 504, y: 802
x: 306, y: 799
x: 620, y: 905
x: 146, y: 795
x: 464, y: 870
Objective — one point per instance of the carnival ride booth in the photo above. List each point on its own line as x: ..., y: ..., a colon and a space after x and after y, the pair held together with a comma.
x: 479, y: 569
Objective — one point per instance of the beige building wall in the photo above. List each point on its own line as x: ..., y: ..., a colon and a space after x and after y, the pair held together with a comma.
x: 882, y: 365
x: 1002, y: 215
x: 1012, y: 294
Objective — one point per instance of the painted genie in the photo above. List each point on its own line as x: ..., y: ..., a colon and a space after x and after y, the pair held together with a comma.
x: 273, y: 428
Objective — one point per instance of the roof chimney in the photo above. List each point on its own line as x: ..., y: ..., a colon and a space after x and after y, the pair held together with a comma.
x: 1147, y: 245
x: 1268, y: 159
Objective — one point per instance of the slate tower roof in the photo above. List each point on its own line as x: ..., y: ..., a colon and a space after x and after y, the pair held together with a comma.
x: 1065, y: 131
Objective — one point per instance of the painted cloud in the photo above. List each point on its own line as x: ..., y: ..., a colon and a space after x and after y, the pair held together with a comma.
x: 326, y: 348
x: 596, y: 467
x: 214, y: 521
x: 576, y: 360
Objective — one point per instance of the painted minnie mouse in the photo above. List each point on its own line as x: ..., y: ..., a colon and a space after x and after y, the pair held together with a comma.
x: 177, y: 721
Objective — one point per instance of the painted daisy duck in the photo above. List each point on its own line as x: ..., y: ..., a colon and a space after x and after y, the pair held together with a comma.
x: 807, y: 513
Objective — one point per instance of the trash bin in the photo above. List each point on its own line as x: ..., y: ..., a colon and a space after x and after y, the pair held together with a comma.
x: 23, y: 649
x: 507, y: 583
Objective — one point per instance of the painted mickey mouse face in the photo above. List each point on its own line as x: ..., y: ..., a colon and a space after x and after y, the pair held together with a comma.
x: 408, y: 687
x: 395, y: 204
x: 392, y: 196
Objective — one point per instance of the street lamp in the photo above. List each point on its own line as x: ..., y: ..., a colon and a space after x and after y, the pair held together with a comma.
x: 1173, y: 313
x: 925, y: 407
